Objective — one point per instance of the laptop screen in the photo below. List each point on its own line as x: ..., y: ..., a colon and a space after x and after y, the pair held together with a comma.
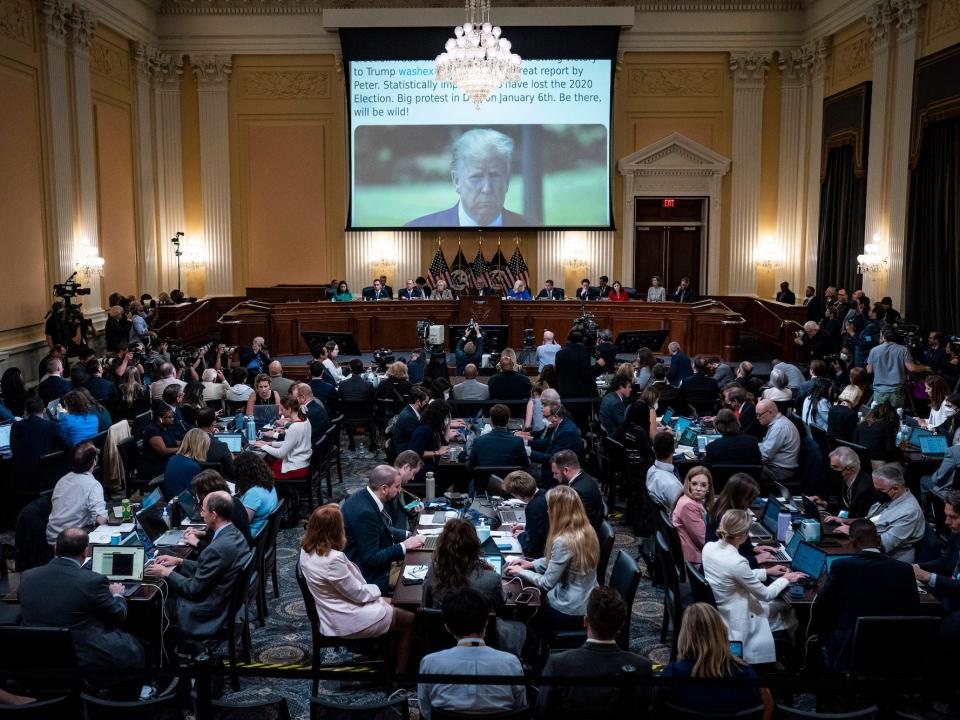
x: 152, y: 522
x: 265, y: 414
x: 704, y: 440
x: 5, y: 435
x: 831, y: 559
x: 151, y: 499
x: 917, y: 433
x: 118, y: 563
x: 808, y: 560
x: 933, y: 445
x: 144, y: 539
x: 187, y: 503
x: 771, y: 515
x: 233, y: 441
x: 682, y: 424
x: 688, y: 437
x: 667, y: 417
x: 794, y: 543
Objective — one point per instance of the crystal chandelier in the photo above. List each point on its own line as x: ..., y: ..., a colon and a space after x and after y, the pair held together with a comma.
x: 871, y: 261
x: 477, y: 60
x: 89, y: 264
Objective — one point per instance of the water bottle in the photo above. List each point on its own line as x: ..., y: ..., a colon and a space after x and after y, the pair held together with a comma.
x: 431, y: 489
x: 238, y: 422
x: 783, y: 524
x: 361, y: 449
x: 166, y: 516
x: 469, y: 443
x: 251, y: 430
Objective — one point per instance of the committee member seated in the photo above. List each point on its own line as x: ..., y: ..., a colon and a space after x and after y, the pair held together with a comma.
x: 201, y: 588
x: 480, y: 169
x: 684, y: 293
x: 549, y: 292
x: 566, y: 470
x: 499, y: 447
x: 562, y: 434
x: 185, y: 464
x: 465, y: 615
x: 256, y: 490
x: 343, y: 293
x: 567, y: 572
x: 780, y: 447
x: 585, y: 292
x: 411, y: 292
x: 77, y: 500
x: 866, y: 584
x: 663, y: 480
x: 31, y: 438
x: 471, y: 389
x: 656, y: 292
x: 617, y: 293
x: 372, y: 541
x: 510, y: 383
x: 598, y: 657
x: 348, y: 607
x: 733, y: 447
x: 291, y: 456
x: 613, y: 407
x: 689, y: 514
x: 519, y: 291
x: 62, y: 594
x: 531, y: 535
x: 441, y: 291
x: 376, y: 292
x: 942, y: 576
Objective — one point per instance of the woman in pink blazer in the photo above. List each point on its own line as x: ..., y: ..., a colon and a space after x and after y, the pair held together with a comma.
x: 348, y: 606
x: 690, y: 512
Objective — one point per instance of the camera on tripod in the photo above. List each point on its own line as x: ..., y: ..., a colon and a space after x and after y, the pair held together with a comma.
x: 70, y: 288
x: 382, y: 357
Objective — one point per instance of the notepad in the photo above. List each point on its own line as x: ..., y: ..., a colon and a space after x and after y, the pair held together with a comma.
x: 415, y: 573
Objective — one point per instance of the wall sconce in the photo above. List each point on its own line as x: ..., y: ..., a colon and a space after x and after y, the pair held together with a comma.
x: 768, y: 254
x: 871, y: 261
x: 574, y: 252
x: 89, y: 264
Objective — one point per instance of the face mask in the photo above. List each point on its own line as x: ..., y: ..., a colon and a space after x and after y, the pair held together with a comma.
x: 655, y: 406
x: 446, y: 396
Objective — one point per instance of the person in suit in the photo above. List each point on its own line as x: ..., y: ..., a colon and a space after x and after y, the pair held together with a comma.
x: 856, y: 483
x: 386, y: 288
x: 356, y: 388
x: 53, y: 386
x: 509, y: 384
x: 613, y: 407
x: 31, y: 438
x: 942, y: 576
x: 200, y: 589
x: 480, y: 169
x: 684, y: 293
x: 376, y: 292
x: 62, y: 594
x: 566, y: 470
x: 700, y: 388
x: 745, y: 411
x: 868, y: 583
x: 575, y: 374
x: 481, y: 288
x: 585, y: 292
x: 599, y: 656
x: 469, y: 349
x: 681, y: 366
x: 549, y: 292
x: 602, y: 290
x: 471, y: 388
x: 373, y: 543
x: 499, y: 447
x: 323, y: 386
x: 562, y: 434
x: 532, y: 535
x: 786, y: 295
x: 98, y: 387
x: 734, y: 447
x: 411, y: 292
x: 408, y: 420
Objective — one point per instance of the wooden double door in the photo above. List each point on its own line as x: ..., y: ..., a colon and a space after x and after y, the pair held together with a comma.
x: 669, y: 242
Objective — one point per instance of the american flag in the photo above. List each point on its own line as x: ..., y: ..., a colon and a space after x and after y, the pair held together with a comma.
x: 498, y: 275
x: 479, y: 269
x: 517, y: 268
x: 439, y: 270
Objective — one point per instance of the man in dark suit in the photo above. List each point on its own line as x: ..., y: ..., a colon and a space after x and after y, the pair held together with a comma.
x: 585, y: 292
x: 314, y: 410
x: 499, y: 447
x: 562, y: 434
x: 942, y: 576
x: 681, y: 366
x: 869, y: 583
x: 509, y: 384
x: 411, y: 292
x: 746, y: 411
x: 550, y: 292
x: 386, y: 288
x: 63, y: 594
x: 734, y: 447
x: 700, y: 388
x: 373, y: 543
x: 31, y: 438
x: 566, y: 470
x: 408, y: 420
x: 576, y: 376
x: 613, y: 406
x: 603, y: 289
x: 684, y: 293
x: 218, y: 451
x: 356, y: 388
x: 376, y: 292
x: 532, y: 535
x: 323, y: 385
x: 600, y: 656
x: 201, y: 588
x: 481, y: 288
x: 53, y: 386
x: 100, y: 389
x: 786, y: 295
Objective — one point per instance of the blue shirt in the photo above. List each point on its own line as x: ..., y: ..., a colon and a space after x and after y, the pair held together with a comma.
x: 77, y: 428
x: 178, y: 475
x: 262, y: 502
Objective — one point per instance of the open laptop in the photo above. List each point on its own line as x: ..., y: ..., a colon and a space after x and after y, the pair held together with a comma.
x: 5, y: 437
x: 688, y: 437
x: 785, y: 497
x: 265, y: 415
x: 915, y: 435
x: 766, y: 529
x: 153, y: 524
x: 703, y: 441
x: 152, y: 499
x: 812, y: 511
x: 233, y: 441
x: 785, y: 555
x: 933, y: 446
x: 809, y: 560
x: 119, y: 564
x: 491, y: 553
x: 512, y: 516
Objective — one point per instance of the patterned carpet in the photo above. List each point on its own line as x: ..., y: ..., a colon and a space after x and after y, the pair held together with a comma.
x: 286, y: 637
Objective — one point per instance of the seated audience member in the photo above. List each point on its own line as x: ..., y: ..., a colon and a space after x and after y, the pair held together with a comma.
x: 255, y: 488
x: 816, y: 406
x: 347, y: 605
x: 656, y: 292
x: 780, y: 447
x: 644, y: 363
x: 168, y: 376
x: 533, y: 416
x: 547, y: 351
x: 519, y: 291
x: 470, y: 389
x: 457, y: 564
x: 53, y: 386
x: 356, y: 388
x: 532, y: 535
x: 567, y: 471
x: 173, y: 397
x: 549, y: 292
x: 343, y: 293
x: 779, y: 390
x: 856, y: 483
x: 703, y: 651
x: 408, y: 420
x: 739, y: 493
x: 181, y: 468
x: 31, y: 439
x: 795, y: 377
x: 192, y: 403
x: 395, y: 385
x: 640, y: 421
x: 291, y: 456
x: 314, y: 410
x: 13, y: 390
x: 562, y: 434
x: 371, y: 542
x: 160, y: 441
x: 441, y: 291
x: 689, y: 515
x: 133, y: 396
x: 80, y: 422
x: 99, y: 388
x: 77, y: 500
x: 746, y: 412
x: 323, y: 386
x: 465, y: 615
x: 941, y: 576
x: 944, y: 477
x: 62, y: 594
x: 681, y: 366
x: 509, y: 383
x: 201, y: 588
x: 877, y: 432
x: 431, y: 438
x: 568, y: 570
x: 733, y: 447
x: 204, y: 483
x: 666, y: 393
x: 663, y: 481
x: 238, y: 391
x: 263, y: 394
x: 746, y: 604
x: 842, y: 418
x: 613, y: 407
x: 277, y: 381
x: 898, y: 517
x: 402, y: 515
x: 866, y: 584
x: 720, y: 371
x: 700, y: 388
x: 942, y: 405
x: 499, y: 447
x: 218, y: 452
x: 598, y: 657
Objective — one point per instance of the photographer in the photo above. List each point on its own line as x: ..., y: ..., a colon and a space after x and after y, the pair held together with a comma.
x: 470, y: 347
x: 256, y: 358
x: 816, y: 343
x: 117, y: 328
x: 139, y: 332
x: 889, y: 363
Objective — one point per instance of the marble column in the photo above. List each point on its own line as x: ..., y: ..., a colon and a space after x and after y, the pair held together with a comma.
x: 749, y: 69
x: 170, y: 214
x: 53, y: 21
x: 879, y: 20
x: 815, y: 57
x: 146, y: 58
x: 793, y: 151
x: 907, y: 19
x: 213, y: 75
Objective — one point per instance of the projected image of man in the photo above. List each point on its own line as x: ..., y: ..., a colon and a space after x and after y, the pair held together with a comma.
x: 480, y: 168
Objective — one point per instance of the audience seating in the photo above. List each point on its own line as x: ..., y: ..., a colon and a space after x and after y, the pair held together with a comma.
x: 607, y: 538
x: 50, y: 469
x: 358, y: 419
x: 674, y: 712
x: 625, y: 579
x: 480, y: 475
x: 724, y: 471
x: 269, y: 564
x: 140, y: 423
x: 50, y: 648
x: 32, y: 549
x: 700, y: 589
x: 894, y: 646
x: 268, y: 710
x: 257, y: 547
x: 164, y: 707
x: 672, y: 605
x: 58, y: 707
x: 323, y: 709
x: 670, y: 534
x: 128, y: 450
x: 782, y: 712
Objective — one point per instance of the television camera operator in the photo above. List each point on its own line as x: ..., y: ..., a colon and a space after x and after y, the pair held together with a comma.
x: 64, y: 323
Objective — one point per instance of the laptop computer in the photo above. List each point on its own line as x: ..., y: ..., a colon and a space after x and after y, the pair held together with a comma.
x: 681, y: 424
x: 491, y: 553
x: 688, y: 438
x: 917, y: 433
x: 667, y: 417
x: 119, y: 564
x: 812, y: 511
x: 153, y: 524
x: 785, y: 555
x: 233, y: 441
x: 933, y: 446
x: 810, y: 560
x: 512, y: 517
x: 152, y: 499
x: 5, y: 436
x: 265, y: 415
x: 758, y: 530
x: 703, y: 441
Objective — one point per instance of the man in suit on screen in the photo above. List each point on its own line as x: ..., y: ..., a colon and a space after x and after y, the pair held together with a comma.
x: 480, y: 169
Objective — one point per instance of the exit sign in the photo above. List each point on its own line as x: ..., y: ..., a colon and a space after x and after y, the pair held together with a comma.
x: 669, y: 202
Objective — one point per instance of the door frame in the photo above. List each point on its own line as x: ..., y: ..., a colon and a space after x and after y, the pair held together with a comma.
x: 675, y: 166
x: 667, y: 279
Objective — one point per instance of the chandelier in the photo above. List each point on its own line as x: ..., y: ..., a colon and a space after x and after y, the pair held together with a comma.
x: 89, y: 264
x: 477, y: 60
x: 871, y: 261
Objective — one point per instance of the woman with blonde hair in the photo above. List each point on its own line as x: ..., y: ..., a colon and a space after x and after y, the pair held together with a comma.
x: 626, y: 370
x: 568, y: 571
x: 179, y: 472
x: 263, y: 394
x: 690, y: 512
x: 703, y: 651
x: 746, y: 604
x: 348, y: 606
x: 441, y: 291
x: 396, y: 385
x: 519, y: 291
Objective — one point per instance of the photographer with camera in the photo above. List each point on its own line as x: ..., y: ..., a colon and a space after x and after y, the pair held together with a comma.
x: 816, y: 343
x: 469, y: 348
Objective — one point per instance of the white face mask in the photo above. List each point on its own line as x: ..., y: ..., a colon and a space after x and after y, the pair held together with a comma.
x: 446, y: 395
x: 655, y: 406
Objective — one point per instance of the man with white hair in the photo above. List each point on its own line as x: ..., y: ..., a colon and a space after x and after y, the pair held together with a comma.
x: 856, y: 483
x: 681, y: 367
x: 278, y: 382
x: 168, y: 376
x: 816, y: 344
x: 547, y: 352
x: 480, y: 169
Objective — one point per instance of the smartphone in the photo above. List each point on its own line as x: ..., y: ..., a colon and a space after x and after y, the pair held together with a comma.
x: 736, y: 647
x: 797, y: 591
x: 411, y: 505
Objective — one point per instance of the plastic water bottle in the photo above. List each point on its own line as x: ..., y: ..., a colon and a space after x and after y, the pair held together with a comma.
x: 431, y: 489
x: 251, y: 430
x: 166, y: 516
x: 238, y: 422
x: 783, y: 524
x: 469, y: 443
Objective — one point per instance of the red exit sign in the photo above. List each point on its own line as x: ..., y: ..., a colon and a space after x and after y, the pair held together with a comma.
x: 669, y: 202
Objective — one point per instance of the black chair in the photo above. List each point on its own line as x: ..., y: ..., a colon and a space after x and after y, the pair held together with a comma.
x: 358, y: 419
x: 521, y: 714
x: 782, y: 712
x: 862, y: 452
x: 50, y: 648
x: 672, y: 606
x: 700, y: 589
x: 31, y: 547
x: 665, y: 525
x: 385, y: 409
x: 607, y: 537
x: 724, y: 471
x: 215, y: 404
x: 268, y: 710
x: 894, y: 646
x: 50, y: 469
x: 257, y: 547
x: 164, y: 707
x: 268, y: 563
x: 58, y: 707
x: 625, y: 579
x: 128, y: 450
x: 470, y: 408
x: 140, y: 423
x: 323, y: 709
x: 675, y: 712
x: 480, y: 475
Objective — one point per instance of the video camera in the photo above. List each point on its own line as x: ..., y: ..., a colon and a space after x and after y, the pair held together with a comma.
x: 588, y: 326
x: 382, y: 357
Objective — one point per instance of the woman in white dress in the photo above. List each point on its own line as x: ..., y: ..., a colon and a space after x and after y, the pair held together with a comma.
x: 656, y: 292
